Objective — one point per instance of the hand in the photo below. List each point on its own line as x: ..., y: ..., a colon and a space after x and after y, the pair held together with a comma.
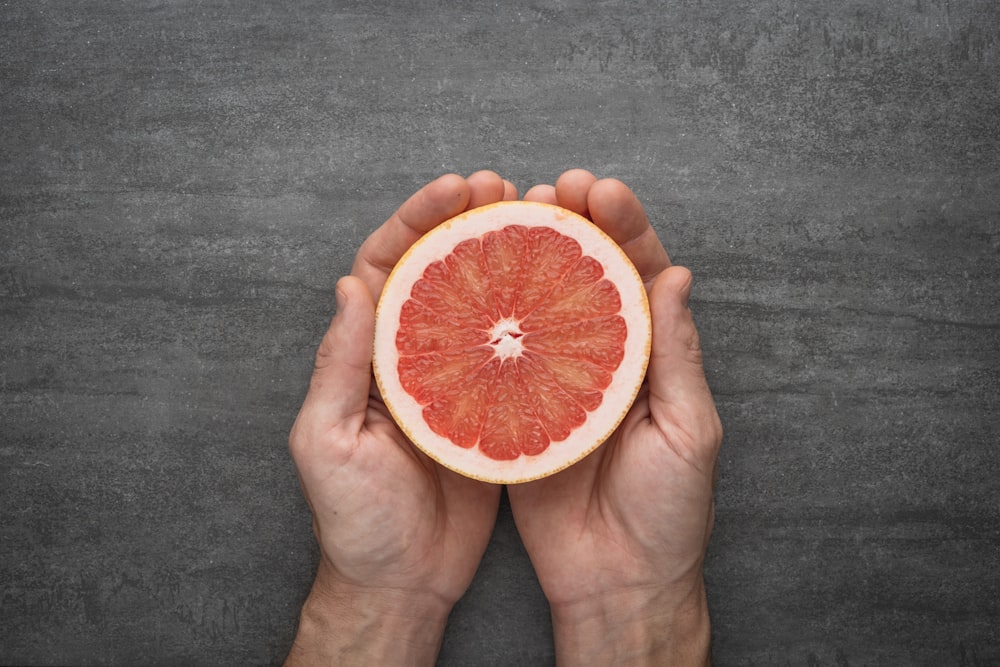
x: 400, y: 536
x: 618, y: 539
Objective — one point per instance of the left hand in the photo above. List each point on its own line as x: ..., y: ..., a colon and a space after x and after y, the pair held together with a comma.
x: 400, y: 536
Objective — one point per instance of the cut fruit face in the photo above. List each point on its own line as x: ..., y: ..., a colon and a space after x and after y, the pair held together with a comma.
x: 511, y: 340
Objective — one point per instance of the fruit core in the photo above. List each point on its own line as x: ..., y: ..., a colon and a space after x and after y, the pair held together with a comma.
x: 506, y: 339
x: 510, y: 340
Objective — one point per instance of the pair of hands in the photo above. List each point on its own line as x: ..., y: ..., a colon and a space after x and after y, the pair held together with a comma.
x: 617, y: 540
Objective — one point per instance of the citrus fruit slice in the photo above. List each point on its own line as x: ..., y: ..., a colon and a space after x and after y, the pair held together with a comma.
x: 511, y: 340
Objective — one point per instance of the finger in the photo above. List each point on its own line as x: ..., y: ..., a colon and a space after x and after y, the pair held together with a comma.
x: 680, y: 402
x: 615, y: 209
x: 543, y: 193
x: 485, y: 187
x: 509, y: 191
x: 439, y: 200
x: 572, y: 188
x: 341, y: 378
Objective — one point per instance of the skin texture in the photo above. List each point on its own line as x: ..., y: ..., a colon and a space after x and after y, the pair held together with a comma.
x: 617, y: 540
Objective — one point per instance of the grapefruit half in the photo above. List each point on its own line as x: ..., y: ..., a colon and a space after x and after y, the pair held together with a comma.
x: 511, y: 340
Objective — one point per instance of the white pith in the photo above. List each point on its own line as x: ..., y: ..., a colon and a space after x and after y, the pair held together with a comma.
x: 618, y: 396
x: 505, y: 338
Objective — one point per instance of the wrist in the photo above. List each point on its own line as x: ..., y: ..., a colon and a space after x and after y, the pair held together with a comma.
x: 635, y: 627
x: 347, y: 624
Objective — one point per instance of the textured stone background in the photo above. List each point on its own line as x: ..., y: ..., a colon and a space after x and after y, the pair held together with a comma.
x: 181, y: 183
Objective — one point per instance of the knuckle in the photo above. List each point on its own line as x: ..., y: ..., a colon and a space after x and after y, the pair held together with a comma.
x: 716, y: 431
x: 309, y: 442
x: 297, y: 440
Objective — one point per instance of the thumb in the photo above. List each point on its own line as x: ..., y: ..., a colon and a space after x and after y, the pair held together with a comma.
x: 342, y: 373
x: 680, y: 401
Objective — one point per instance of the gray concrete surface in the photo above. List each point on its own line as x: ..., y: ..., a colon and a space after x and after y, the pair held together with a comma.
x: 181, y: 184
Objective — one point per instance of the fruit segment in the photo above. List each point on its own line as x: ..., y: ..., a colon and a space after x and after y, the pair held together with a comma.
x: 510, y: 340
x: 459, y: 416
x: 551, y: 401
x: 510, y: 430
x: 582, y: 383
x: 504, y: 251
x: 428, y: 331
x: 581, y: 294
x: 548, y: 256
x: 458, y: 288
x: 600, y: 341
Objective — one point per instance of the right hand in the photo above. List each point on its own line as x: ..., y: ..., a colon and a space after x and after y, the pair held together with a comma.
x: 618, y: 539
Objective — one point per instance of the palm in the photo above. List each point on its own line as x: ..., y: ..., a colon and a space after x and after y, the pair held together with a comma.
x: 392, y: 519
x: 597, y: 527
